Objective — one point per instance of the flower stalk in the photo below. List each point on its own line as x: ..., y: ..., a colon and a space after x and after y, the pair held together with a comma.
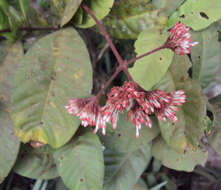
x: 130, y: 97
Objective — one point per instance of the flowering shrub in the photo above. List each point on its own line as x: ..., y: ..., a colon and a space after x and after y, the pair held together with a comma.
x: 73, y: 101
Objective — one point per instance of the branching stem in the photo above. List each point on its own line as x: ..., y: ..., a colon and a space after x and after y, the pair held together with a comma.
x: 145, y: 54
x: 122, y: 64
x: 104, y: 32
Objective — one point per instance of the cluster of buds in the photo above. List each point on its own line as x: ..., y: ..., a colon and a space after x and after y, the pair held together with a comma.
x: 139, y: 103
x: 179, y: 39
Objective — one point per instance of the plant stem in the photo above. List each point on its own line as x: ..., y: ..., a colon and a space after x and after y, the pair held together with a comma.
x: 119, y: 69
x: 122, y: 64
x: 128, y: 74
x: 104, y: 32
x: 30, y: 29
x: 145, y: 54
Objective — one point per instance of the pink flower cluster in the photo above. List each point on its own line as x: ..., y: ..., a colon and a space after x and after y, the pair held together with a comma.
x: 179, y: 39
x: 139, y: 103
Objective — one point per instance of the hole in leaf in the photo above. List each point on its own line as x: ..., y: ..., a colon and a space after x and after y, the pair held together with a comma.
x: 53, y: 77
x: 204, y: 15
x: 190, y: 72
x: 210, y: 115
x: 182, y: 16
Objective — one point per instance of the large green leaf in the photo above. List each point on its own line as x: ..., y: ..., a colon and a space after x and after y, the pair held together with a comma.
x: 99, y: 7
x: 51, y: 72
x: 167, y: 6
x: 215, y: 136
x: 141, y: 185
x: 7, y: 71
x: 197, y: 14
x: 36, y: 163
x: 4, y: 47
x: 125, y: 156
x: 149, y: 70
x: 206, y: 56
x: 9, y: 145
x: 80, y: 162
x: 128, y: 18
x: 188, y: 130
x: 60, y: 185
x: 178, y: 161
x: 71, y: 8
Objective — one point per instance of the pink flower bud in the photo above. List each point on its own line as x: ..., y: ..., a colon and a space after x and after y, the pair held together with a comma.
x: 179, y: 39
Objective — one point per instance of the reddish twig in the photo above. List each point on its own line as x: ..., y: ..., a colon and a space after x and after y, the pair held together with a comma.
x: 119, y: 69
x: 122, y: 64
x: 107, y: 37
x: 145, y: 54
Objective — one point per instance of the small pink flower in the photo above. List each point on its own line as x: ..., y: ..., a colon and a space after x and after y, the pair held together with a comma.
x: 168, y: 109
x: 179, y: 39
x: 138, y: 117
x: 88, y: 111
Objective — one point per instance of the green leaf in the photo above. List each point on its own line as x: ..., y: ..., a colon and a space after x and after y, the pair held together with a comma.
x: 125, y: 156
x: 7, y: 71
x: 100, y: 8
x: 141, y: 185
x: 9, y: 145
x: 80, y: 162
x: 36, y: 163
x: 214, y: 137
x: 51, y: 72
x: 60, y: 185
x: 24, y: 6
x: 188, y: 130
x: 128, y: 19
x: 197, y: 14
x: 4, y: 48
x: 167, y: 6
x: 149, y: 70
x: 71, y: 8
x: 56, y: 7
x: 178, y: 161
x: 206, y: 56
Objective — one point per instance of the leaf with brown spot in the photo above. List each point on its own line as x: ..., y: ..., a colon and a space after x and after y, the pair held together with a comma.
x: 126, y: 156
x: 215, y: 135
x: 36, y: 163
x: 82, y: 165
x: 188, y: 130
x: 178, y: 161
x: 7, y: 71
x: 45, y: 82
x: 9, y: 145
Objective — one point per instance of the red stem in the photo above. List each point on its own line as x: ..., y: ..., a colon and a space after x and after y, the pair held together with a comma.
x: 122, y: 64
x: 145, y: 54
x: 117, y: 55
x: 128, y: 74
x: 119, y: 69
